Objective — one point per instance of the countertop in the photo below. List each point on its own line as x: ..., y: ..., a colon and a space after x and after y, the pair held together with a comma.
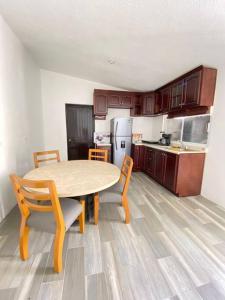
x: 168, y: 149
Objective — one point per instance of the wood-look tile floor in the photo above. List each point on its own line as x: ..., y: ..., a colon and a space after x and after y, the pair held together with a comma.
x: 174, y: 248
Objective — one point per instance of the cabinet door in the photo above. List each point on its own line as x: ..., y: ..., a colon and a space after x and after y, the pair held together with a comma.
x: 158, y: 102
x: 136, y: 109
x: 135, y: 154
x: 192, y: 89
x: 148, y: 104
x: 142, y: 157
x: 170, y: 171
x: 114, y: 101
x: 166, y: 98
x: 159, y: 166
x: 100, y: 105
x: 126, y: 101
x: 150, y: 161
x: 177, y: 95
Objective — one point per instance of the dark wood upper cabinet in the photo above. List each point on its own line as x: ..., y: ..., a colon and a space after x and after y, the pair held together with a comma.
x: 126, y: 101
x: 148, y: 104
x: 136, y: 109
x: 166, y: 98
x: 162, y: 101
x: 113, y: 101
x: 177, y: 95
x: 158, y: 103
x: 100, y: 105
x: 191, y: 94
x: 120, y: 99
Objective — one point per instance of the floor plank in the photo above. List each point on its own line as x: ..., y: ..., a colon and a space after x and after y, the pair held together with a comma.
x: 74, y: 280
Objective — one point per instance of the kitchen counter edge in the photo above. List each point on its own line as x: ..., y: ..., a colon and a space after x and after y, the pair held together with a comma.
x: 164, y: 148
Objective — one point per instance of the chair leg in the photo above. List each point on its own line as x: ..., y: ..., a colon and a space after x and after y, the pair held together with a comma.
x: 96, y: 207
x: 82, y: 217
x: 126, y: 208
x: 24, y: 236
x: 58, y: 249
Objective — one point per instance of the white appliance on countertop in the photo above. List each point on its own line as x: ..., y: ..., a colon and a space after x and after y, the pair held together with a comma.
x: 121, y: 138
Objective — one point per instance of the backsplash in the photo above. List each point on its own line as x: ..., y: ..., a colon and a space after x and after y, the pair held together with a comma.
x: 101, y: 137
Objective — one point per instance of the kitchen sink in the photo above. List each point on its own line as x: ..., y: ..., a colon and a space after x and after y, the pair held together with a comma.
x: 178, y: 149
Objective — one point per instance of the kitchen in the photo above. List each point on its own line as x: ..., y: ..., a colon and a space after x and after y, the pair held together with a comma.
x: 182, y: 109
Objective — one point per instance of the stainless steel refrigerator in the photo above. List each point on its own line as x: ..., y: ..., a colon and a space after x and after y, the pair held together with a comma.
x: 121, y: 137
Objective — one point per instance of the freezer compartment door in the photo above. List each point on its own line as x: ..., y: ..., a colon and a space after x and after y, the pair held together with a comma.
x: 121, y: 146
x: 121, y: 127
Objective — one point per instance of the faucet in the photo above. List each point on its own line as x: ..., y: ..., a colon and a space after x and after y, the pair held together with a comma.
x: 183, y: 146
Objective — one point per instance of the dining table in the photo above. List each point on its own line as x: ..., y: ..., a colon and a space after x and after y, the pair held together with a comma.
x: 77, y: 178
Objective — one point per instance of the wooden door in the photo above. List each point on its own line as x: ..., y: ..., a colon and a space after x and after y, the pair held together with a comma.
x: 114, y: 101
x: 100, y: 105
x: 80, y: 130
x: 192, y: 89
x: 170, y: 171
x: 177, y: 95
x: 148, y: 104
x: 159, y: 166
x: 126, y: 101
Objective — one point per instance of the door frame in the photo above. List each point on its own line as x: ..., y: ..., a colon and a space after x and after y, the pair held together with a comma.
x: 80, y: 106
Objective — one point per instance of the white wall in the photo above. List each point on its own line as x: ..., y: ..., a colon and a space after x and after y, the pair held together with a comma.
x: 59, y: 89
x: 213, y: 186
x: 149, y: 127
x: 20, y: 113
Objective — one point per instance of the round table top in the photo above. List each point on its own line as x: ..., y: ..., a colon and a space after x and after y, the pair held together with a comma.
x: 77, y: 177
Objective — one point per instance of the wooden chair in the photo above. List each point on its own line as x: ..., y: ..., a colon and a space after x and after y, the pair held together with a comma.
x: 37, y: 161
x: 52, y: 215
x: 98, y: 154
x: 118, y: 192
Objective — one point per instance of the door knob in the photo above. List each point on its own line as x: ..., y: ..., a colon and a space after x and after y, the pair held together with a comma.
x: 69, y: 140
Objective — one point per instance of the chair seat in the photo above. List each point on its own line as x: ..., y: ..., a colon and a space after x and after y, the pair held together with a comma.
x: 71, y: 209
x: 112, y: 194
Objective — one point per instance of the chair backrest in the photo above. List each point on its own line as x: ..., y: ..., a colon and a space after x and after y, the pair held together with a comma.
x: 98, y: 154
x: 27, y: 199
x: 126, y: 173
x: 54, y: 155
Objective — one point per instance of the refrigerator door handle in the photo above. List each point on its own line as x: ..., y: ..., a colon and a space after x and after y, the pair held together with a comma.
x: 116, y: 128
x: 116, y: 134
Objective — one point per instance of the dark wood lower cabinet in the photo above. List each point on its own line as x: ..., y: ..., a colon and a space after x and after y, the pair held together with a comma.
x: 138, y: 155
x: 159, y: 166
x: 180, y: 173
x: 170, y: 171
x: 149, y: 161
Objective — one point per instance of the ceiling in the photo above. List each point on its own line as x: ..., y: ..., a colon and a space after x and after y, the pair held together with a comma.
x: 131, y: 44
